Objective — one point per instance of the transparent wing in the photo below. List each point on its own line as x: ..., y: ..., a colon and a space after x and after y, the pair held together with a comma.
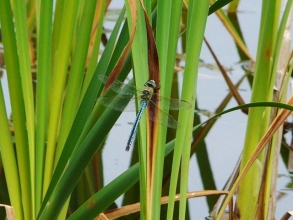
x: 126, y: 103
x: 171, y: 104
x: 164, y: 119
x: 120, y: 87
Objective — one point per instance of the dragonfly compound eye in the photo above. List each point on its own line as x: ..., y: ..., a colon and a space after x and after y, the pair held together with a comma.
x: 151, y: 83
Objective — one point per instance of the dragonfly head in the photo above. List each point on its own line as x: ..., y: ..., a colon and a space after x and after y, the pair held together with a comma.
x: 151, y: 83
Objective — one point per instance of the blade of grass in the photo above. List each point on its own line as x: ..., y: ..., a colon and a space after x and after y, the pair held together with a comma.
x: 140, y: 66
x: 43, y: 76
x: 197, y: 17
x: 218, y: 5
x: 167, y: 26
x: 195, y: 30
x: 17, y: 105
x: 9, y: 160
x: 96, y: 37
x: 27, y: 89
x: 56, y: 32
x: 280, y: 66
x: 32, y: 19
x: 258, y: 119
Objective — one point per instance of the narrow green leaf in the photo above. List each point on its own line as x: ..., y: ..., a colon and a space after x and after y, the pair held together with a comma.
x: 17, y: 105
x: 42, y: 98
x: 218, y: 5
x: 262, y: 90
x: 96, y: 48
x: 23, y: 52
x: 9, y: 160
x: 141, y: 70
x: 168, y: 26
x: 196, y: 23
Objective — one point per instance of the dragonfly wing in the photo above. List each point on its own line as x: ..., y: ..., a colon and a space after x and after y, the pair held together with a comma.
x: 119, y: 87
x: 176, y: 104
x: 164, y: 118
x: 171, y: 104
x: 126, y: 103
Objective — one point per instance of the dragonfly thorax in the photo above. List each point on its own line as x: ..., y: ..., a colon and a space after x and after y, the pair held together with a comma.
x: 147, y: 94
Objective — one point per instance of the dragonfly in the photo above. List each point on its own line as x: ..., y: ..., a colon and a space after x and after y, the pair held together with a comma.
x: 126, y: 101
